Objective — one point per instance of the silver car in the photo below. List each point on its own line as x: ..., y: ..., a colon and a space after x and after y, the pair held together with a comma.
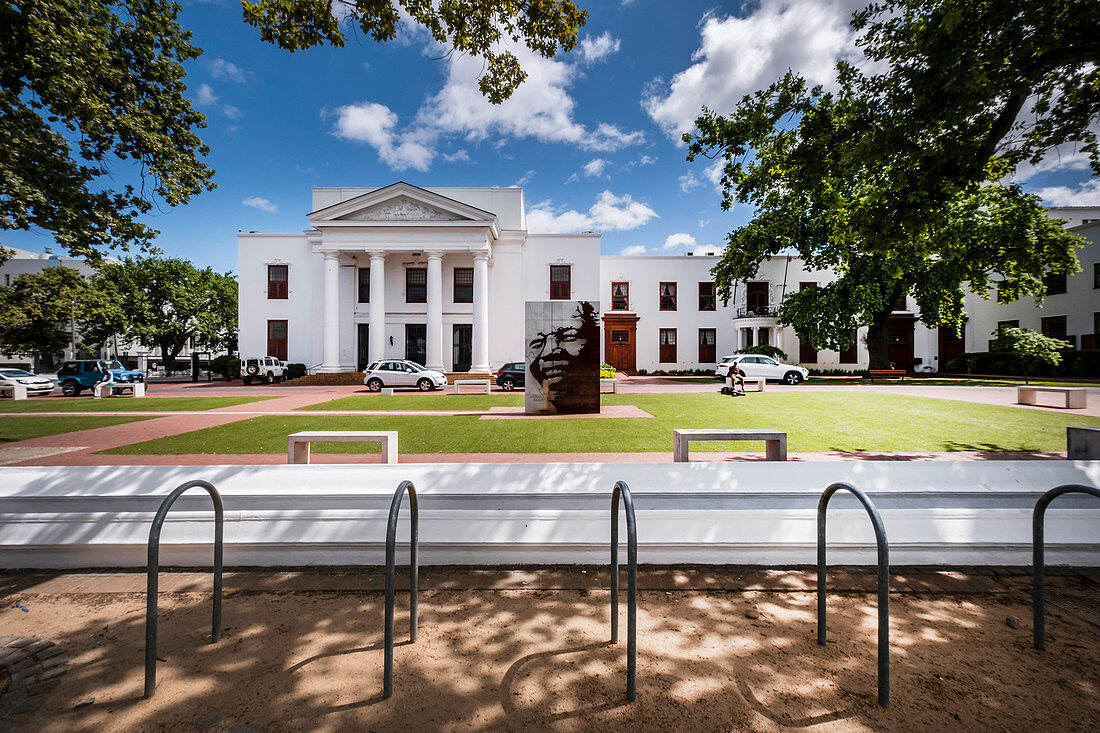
x: 35, y: 384
x: 762, y: 367
x: 402, y: 373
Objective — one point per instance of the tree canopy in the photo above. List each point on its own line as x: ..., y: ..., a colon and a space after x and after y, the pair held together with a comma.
x: 38, y: 309
x: 876, y: 183
x: 162, y: 304
x: 1027, y: 344
x: 476, y: 27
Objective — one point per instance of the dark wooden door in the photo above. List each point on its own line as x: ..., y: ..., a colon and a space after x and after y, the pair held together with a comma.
x: 462, y: 349
x: 363, y: 348
x: 620, y: 341
x: 950, y: 345
x: 416, y: 342
x: 707, y: 345
x: 900, y: 334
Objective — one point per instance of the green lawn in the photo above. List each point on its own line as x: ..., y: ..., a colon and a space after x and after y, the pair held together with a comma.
x: 813, y: 421
x: 25, y: 428
x: 123, y: 404
x: 417, y: 401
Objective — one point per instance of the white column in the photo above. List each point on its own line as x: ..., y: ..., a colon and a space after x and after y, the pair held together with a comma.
x: 434, y: 355
x: 377, y: 312
x: 330, y: 318
x: 481, y: 312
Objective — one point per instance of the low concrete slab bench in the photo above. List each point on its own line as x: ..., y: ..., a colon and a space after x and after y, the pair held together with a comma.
x: 899, y: 373
x: 775, y: 441
x: 612, y: 383
x: 479, y: 383
x: 1075, y: 397
x: 759, y: 382
x: 297, y: 445
x: 15, y: 391
x: 137, y: 389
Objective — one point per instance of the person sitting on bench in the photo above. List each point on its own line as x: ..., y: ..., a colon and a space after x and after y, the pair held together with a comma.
x: 103, y: 386
x: 737, y: 378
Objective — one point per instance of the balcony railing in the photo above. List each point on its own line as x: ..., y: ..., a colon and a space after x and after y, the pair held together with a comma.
x: 764, y: 311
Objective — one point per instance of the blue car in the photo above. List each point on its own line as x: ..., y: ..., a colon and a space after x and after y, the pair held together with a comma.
x: 76, y: 376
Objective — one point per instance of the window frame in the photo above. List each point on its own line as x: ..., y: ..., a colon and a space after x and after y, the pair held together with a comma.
x: 558, y: 291
x: 713, y: 296
x: 278, y: 289
x: 626, y: 295
x: 272, y: 351
x: 661, y: 296
x: 1055, y: 283
x: 662, y: 345
x: 455, y: 284
x: 712, y: 345
x: 410, y: 285
x: 360, y: 284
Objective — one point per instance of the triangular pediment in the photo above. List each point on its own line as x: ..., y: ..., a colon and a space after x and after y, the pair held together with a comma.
x: 402, y: 208
x: 400, y: 203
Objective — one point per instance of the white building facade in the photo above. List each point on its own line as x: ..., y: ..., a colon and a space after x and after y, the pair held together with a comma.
x: 441, y: 275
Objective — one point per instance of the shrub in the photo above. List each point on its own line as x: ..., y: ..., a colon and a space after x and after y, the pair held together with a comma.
x: 227, y: 366
x: 295, y: 370
x: 765, y: 350
x: 1084, y: 363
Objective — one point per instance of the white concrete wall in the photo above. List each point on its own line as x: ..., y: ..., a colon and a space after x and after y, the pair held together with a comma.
x: 758, y: 513
x: 302, y: 307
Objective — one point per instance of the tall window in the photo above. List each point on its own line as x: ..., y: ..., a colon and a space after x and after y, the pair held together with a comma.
x: 276, y: 282
x: 1096, y: 275
x: 668, y: 297
x: 560, y: 288
x: 1054, y: 326
x: 667, y: 353
x: 1055, y: 283
x: 848, y: 353
x: 464, y: 285
x: 364, y: 284
x: 620, y: 296
x: 276, y: 339
x: 416, y: 285
x: 707, y: 340
x: 706, y: 297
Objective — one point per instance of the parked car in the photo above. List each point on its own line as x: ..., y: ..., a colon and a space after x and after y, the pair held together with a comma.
x: 35, y: 384
x: 402, y: 373
x: 511, y: 376
x: 76, y: 376
x: 758, y: 366
x: 266, y: 369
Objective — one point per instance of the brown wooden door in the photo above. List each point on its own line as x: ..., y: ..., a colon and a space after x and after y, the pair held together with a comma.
x: 620, y: 341
x: 900, y: 334
x: 950, y: 345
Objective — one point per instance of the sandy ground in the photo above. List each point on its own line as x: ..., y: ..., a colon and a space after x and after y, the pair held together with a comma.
x: 539, y: 660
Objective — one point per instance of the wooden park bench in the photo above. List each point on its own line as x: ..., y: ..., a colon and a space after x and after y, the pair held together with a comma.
x: 775, y: 441
x: 297, y: 445
x: 889, y: 373
x: 1075, y: 397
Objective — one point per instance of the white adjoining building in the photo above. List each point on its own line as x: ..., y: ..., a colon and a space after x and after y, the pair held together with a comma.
x: 441, y: 275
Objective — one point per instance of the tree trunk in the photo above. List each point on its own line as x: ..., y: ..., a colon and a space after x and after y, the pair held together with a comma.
x: 878, y: 341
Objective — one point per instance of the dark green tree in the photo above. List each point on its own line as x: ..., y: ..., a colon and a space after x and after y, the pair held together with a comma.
x: 1029, y: 345
x: 474, y: 27
x: 161, y: 304
x: 889, y: 190
x: 91, y: 92
x: 38, y: 310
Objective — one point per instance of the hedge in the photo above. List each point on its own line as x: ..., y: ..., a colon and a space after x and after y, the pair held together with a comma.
x: 1083, y: 363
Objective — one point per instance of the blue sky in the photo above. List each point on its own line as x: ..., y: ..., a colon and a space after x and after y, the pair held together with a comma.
x: 592, y: 137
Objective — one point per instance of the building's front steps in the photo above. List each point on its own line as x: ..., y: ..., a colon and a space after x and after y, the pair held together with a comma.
x: 334, y: 378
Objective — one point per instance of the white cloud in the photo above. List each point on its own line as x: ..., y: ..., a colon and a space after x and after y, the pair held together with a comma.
x: 707, y: 249
x: 1087, y: 194
x: 633, y: 250
x: 1065, y: 157
x: 680, y: 239
x: 374, y: 124
x: 231, y: 112
x: 646, y: 160
x: 688, y: 181
x: 204, y: 95
x: 458, y: 156
x: 739, y: 55
x: 262, y: 204
x: 609, y: 213
x: 226, y: 70
x: 595, y: 167
x: 703, y: 223
x: 595, y: 50
x: 524, y: 179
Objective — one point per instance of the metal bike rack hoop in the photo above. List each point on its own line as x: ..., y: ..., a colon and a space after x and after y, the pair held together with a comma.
x: 1037, y: 563
x: 391, y: 558
x: 154, y: 569
x: 883, y: 582
x: 621, y: 487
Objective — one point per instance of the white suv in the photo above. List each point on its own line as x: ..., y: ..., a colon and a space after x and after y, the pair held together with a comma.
x: 402, y: 373
x: 266, y: 369
x: 757, y: 366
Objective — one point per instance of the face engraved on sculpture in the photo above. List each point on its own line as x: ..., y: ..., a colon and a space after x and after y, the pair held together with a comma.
x: 556, y: 355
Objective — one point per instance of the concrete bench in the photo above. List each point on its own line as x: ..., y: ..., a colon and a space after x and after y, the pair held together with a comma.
x: 1076, y: 397
x: 387, y: 391
x: 137, y: 389
x: 760, y: 382
x: 487, y: 384
x: 297, y: 445
x: 872, y: 373
x: 610, y: 382
x: 15, y: 391
x: 775, y: 441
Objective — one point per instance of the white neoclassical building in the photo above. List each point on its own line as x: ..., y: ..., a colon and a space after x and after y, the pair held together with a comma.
x: 440, y: 276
